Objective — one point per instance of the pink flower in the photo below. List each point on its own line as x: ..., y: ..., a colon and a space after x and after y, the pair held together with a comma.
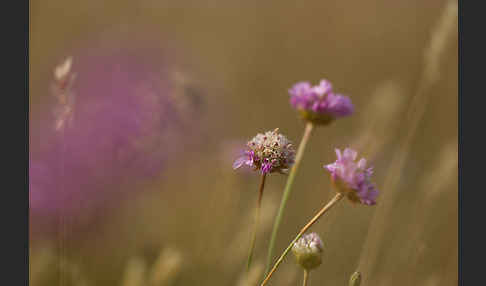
x: 269, y: 152
x: 353, y: 178
x: 319, y: 104
x: 119, y: 123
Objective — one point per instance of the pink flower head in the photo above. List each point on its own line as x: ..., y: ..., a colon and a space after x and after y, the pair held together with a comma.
x: 319, y: 104
x: 119, y: 123
x: 353, y: 178
x: 269, y: 152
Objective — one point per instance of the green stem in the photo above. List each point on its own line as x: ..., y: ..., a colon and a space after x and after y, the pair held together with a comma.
x: 327, y: 207
x: 306, y: 277
x: 257, y: 219
x: 288, y: 187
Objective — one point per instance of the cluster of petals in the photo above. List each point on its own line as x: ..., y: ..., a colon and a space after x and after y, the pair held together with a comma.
x: 353, y: 177
x: 268, y: 152
x: 309, y: 243
x: 320, y: 99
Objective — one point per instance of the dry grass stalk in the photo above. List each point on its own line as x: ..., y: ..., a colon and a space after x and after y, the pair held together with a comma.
x: 438, y: 43
x: 166, y: 267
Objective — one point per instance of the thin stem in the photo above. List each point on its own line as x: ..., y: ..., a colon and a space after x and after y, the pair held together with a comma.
x: 62, y: 216
x: 306, y: 277
x: 288, y: 187
x: 257, y: 219
x: 327, y: 207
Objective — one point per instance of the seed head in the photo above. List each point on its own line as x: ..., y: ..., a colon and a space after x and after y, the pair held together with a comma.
x: 268, y: 152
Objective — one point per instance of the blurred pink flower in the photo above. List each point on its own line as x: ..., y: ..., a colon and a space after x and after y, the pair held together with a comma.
x: 319, y: 103
x: 126, y: 123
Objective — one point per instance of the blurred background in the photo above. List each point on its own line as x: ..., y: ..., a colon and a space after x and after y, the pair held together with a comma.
x: 131, y: 147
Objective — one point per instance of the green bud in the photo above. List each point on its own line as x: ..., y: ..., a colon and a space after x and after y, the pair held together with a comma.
x: 308, y: 251
x: 355, y: 279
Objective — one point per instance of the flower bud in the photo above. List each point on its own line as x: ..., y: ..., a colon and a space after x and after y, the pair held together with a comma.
x: 308, y: 251
x: 355, y: 279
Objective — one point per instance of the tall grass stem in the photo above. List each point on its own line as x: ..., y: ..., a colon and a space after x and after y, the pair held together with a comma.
x: 439, y: 41
x: 288, y: 188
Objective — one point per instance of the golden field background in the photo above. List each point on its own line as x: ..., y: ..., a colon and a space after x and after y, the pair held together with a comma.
x: 193, y: 226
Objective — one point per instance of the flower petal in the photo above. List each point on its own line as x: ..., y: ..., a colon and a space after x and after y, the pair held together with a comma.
x: 362, y: 163
x: 239, y: 162
x: 323, y: 88
x: 350, y: 154
x: 338, y: 153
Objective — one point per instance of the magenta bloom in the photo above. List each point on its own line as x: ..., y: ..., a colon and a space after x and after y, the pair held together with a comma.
x: 127, y: 120
x: 269, y: 152
x: 353, y: 178
x: 319, y: 104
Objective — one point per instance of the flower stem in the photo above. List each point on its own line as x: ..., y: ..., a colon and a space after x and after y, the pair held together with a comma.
x: 306, y: 277
x: 288, y: 187
x: 62, y: 215
x: 327, y: 207
x: 257, y: 219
